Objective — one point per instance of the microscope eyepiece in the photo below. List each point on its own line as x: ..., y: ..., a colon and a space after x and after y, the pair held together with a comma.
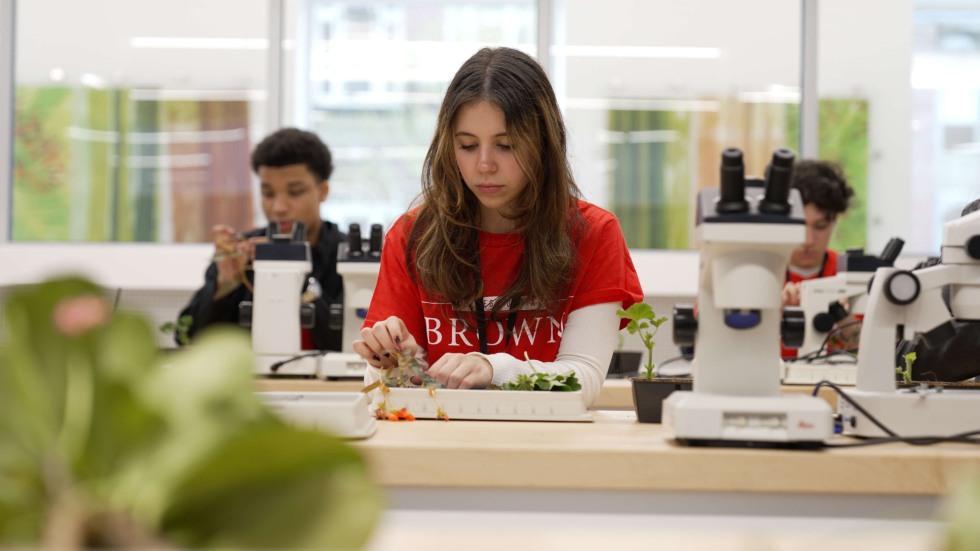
x: 778, y: 176
x: 891, y: 251
x: 355, y: 248
x: 732, y: 198
x: 374, y: 243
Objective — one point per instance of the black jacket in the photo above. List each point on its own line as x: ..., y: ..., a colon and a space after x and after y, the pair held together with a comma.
x: 327, y: 333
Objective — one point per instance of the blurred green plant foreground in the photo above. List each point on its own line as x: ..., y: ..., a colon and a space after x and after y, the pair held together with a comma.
x: 102, y: 446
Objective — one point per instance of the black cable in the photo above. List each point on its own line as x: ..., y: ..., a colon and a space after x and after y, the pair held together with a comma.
x: 963, y: 437
x: 275, y: 367
x: 830, y: 334
x: 857, y: 406
x: 830, y: 354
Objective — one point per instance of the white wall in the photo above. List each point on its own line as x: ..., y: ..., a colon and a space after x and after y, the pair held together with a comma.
x: 94, y: 36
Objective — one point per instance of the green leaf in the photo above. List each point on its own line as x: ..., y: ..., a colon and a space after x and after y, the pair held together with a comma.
x: 278, y: 487
x: 91, y: 417
x: 961, y: 511
x: 545, y: 381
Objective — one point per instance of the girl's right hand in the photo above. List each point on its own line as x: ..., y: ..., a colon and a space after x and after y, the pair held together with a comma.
x: 378, y: 344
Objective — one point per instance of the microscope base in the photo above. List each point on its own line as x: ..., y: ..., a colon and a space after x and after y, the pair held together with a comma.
x: 843, y: 372
x: 342, y: 365
x: 783, y: 421
x: 308, y: 366
x: 912, y: 412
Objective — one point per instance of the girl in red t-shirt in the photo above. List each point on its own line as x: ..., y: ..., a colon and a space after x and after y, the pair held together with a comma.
x: 501, y: 260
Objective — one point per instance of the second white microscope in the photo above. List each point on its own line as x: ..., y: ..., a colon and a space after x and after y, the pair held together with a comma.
x: 276, y: 312
x: 906, y: 302
x: 821, y: 300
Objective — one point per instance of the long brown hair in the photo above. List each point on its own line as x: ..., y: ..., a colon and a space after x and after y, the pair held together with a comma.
x: 443, y: 243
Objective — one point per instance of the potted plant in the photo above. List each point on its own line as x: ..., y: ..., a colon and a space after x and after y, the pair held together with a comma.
x: 649, y: 389
x: 624, y: 363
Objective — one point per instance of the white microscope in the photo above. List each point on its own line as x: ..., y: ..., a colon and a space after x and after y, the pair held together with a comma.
x: 746, y: 237
x: 358, y: 262
x: 821, y: 300
x: 902, y: 301
x: 276, y: 312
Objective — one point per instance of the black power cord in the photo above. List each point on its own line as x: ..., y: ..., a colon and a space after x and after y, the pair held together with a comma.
x: 275, y: 367
x: 970, y: 437
x: 819, y: 353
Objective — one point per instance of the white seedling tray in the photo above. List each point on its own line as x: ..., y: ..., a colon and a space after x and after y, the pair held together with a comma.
x: 345, y: 414
x: 498, y: 405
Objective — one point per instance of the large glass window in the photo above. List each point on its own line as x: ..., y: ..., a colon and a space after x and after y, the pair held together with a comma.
x: 654, y: 91
x: 369, y: 77
x: 134, y: 118
x: 945, y: 171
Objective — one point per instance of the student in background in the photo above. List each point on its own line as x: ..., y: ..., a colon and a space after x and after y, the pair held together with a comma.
x: 294, y: 168
x: 826, y: 196
x: 501, y: 259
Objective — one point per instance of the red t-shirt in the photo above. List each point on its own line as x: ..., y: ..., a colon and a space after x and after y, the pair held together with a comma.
x: 829, y: 268
x: 604, y: 273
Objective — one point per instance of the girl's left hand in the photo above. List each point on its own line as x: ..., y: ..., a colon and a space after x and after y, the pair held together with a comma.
x: 462, y: 371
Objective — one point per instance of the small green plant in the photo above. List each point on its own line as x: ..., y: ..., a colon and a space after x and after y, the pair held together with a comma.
x: 181, y: 328
x: 643, y: 321
x: 907, y: 372
x: 555, y: 382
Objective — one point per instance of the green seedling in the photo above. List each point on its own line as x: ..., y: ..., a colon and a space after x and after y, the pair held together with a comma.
x: 643, y: 321
x: 555, y: 382
x: 907, y: 372
x: 180, y: 328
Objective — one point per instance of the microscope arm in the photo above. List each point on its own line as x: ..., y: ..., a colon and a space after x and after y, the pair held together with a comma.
x: 897, y: 297
x: 929, y: 310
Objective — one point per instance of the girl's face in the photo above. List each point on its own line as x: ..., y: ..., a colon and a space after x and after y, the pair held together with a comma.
x: 819, y: 229
x: 488, y: 163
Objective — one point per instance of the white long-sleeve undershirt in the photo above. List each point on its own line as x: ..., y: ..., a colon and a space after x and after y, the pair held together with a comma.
x: 587, y: 344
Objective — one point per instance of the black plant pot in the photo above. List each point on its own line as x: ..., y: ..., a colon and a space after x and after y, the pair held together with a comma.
x: 649, y: 395
x: 624, y: 364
